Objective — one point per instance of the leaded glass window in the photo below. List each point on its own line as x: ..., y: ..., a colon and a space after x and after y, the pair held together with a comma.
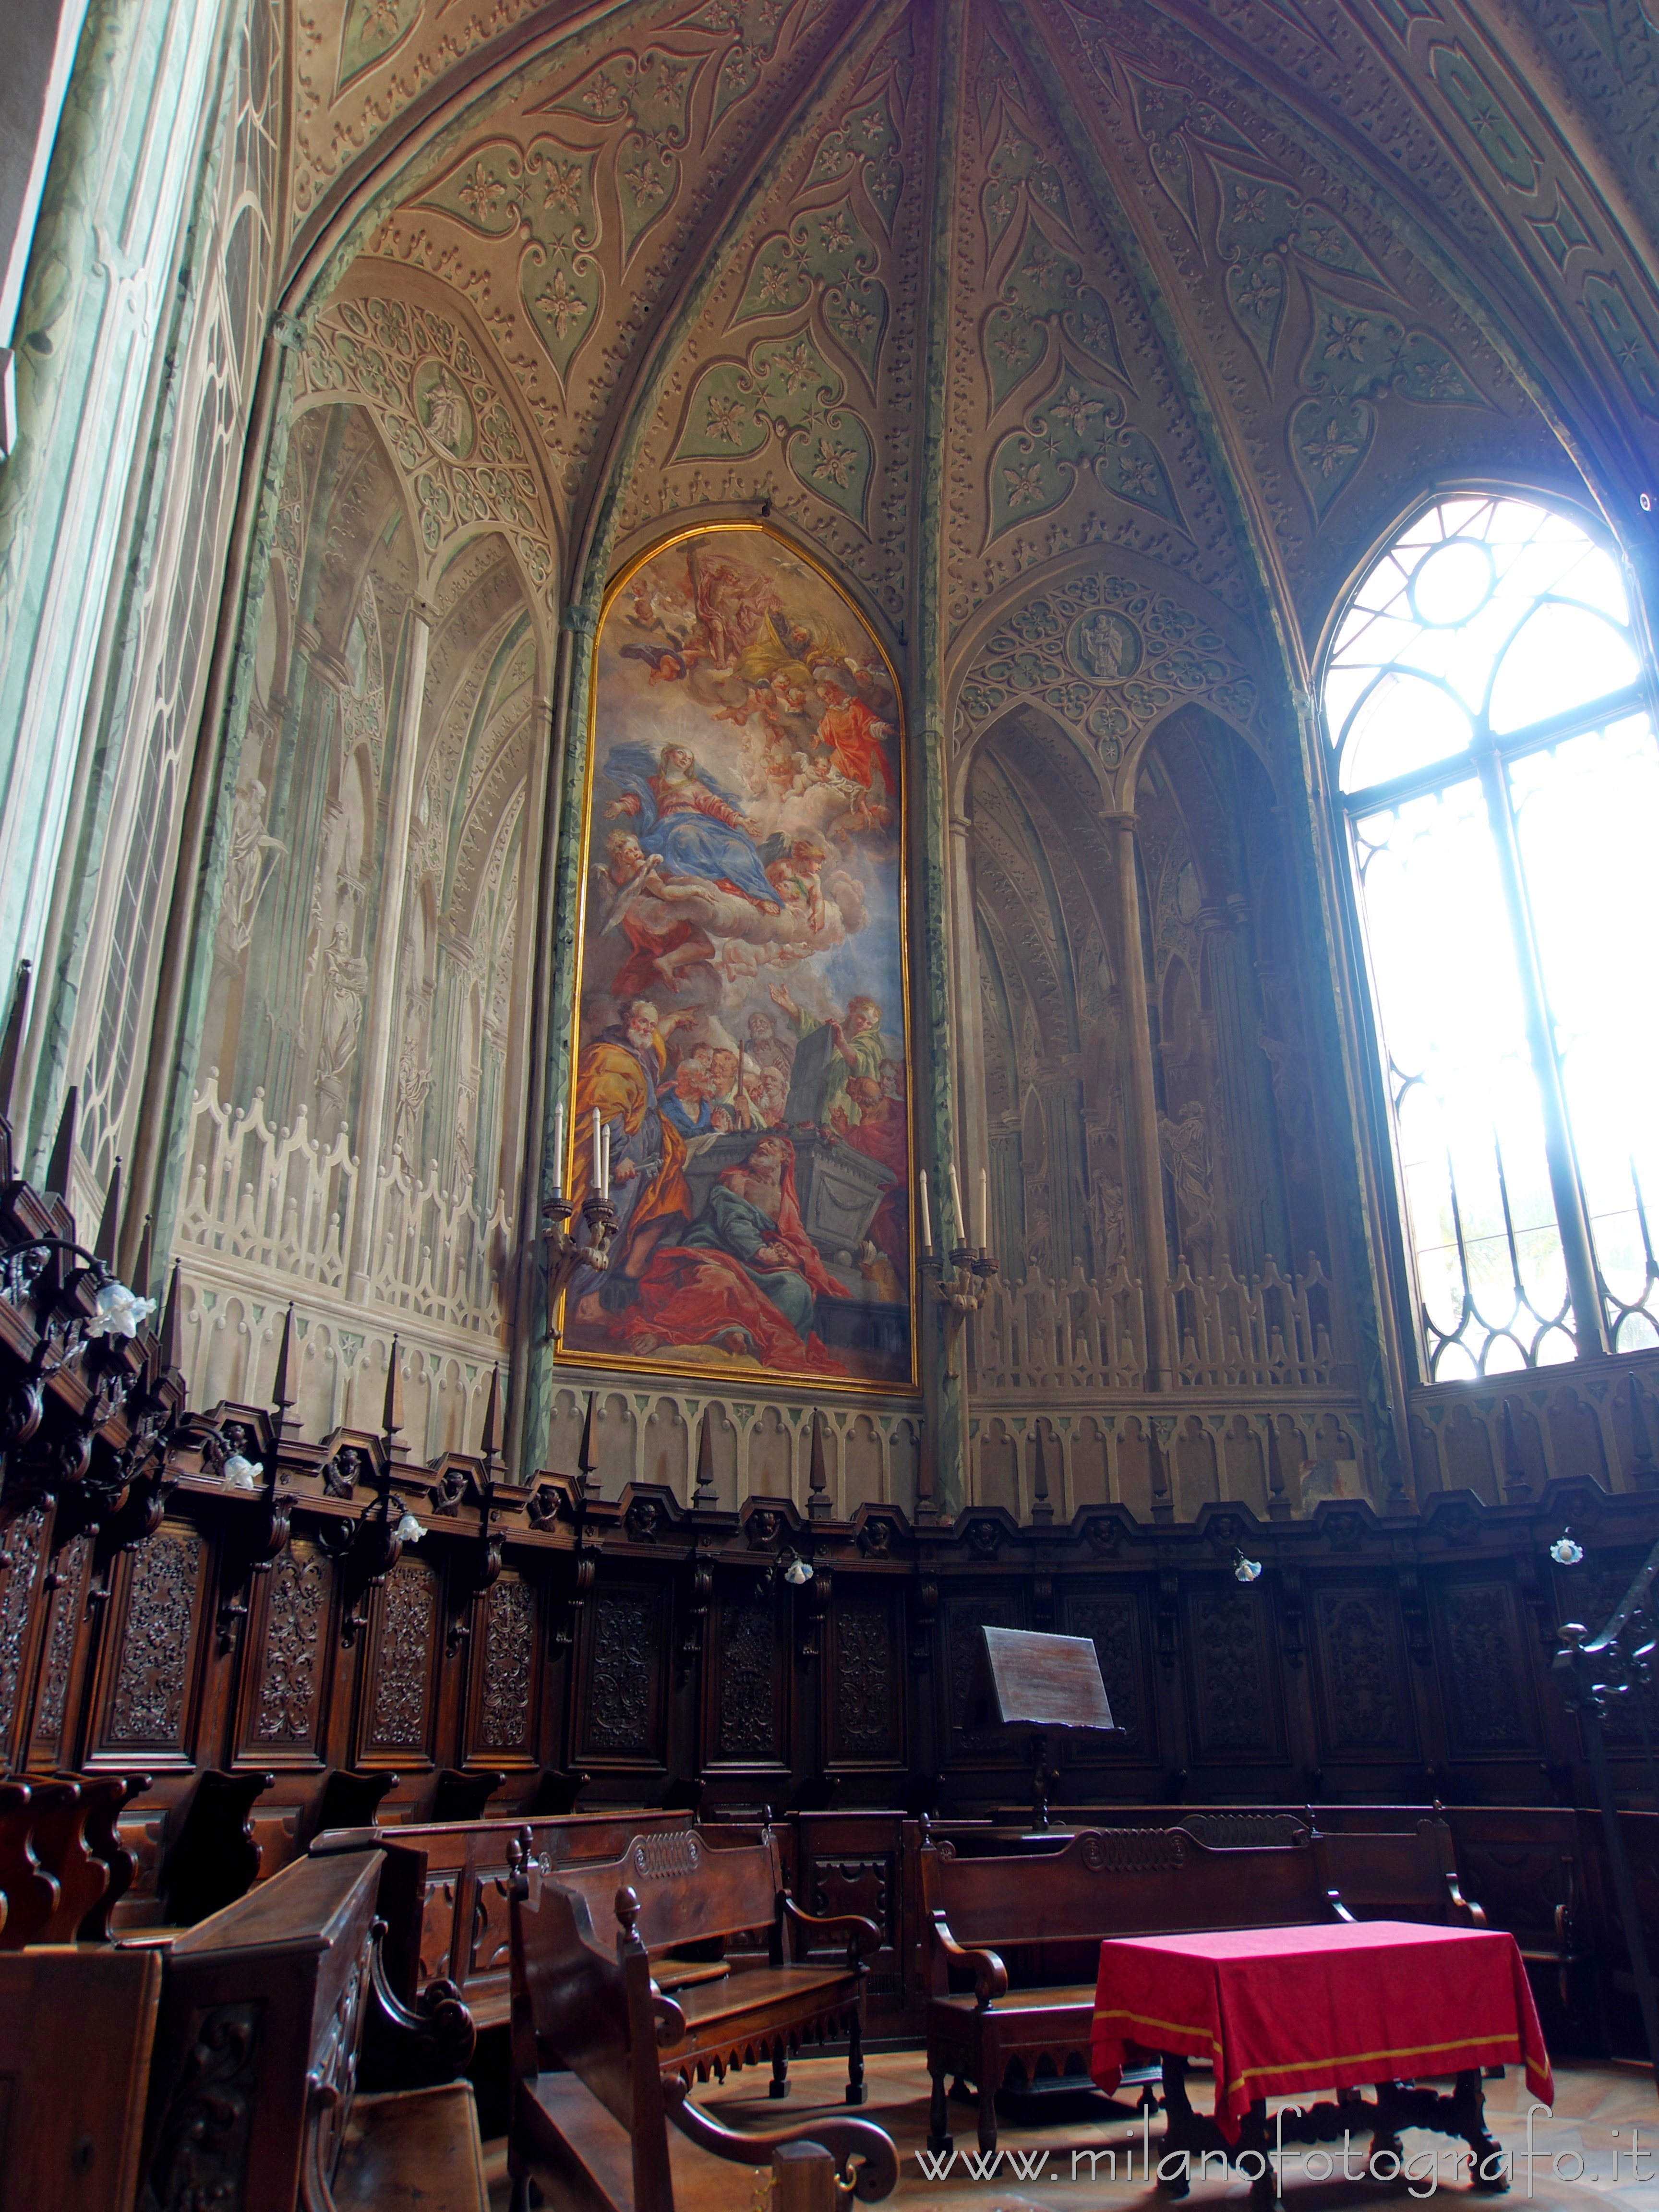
x: 1487, y: 704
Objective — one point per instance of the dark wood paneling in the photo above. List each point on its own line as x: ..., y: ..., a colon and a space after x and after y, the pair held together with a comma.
x: 505, y: 1675
x: 1364, y: 1696
x: 1238, y: 1716
x: 1116, y: 1621
x: 395, y: 1698
x: 865, y: 1688
x: 746, y: 1705
x: 623, y: 1698
x: 1485, y: 1679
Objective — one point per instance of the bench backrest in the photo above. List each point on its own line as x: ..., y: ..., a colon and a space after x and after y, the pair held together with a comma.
x: 1119, y: 1881
x: 1392, y: 1876
x: 688, y: 1893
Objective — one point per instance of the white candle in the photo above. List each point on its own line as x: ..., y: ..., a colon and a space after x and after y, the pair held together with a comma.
x: 605, y: 1163
x: 956, y: 1202
x: 927, y: 1218
x: 596, y: 1148
x: 558, y: 1151
x: 984, y: 1211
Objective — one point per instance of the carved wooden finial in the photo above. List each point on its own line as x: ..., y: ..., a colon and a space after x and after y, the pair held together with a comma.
x: 282, y: 1387
x: 171, y: 1353
x: 11, y: 1044
x: 490, y: 1442
x: 109, y: 1220
x: 63, y: 1152
x: 587, y: 1465
x: 817, y: 1479
x: 628, y: 1913
x: 143, y: 1264
x: 392, y: 1419
x: 704, y: 1493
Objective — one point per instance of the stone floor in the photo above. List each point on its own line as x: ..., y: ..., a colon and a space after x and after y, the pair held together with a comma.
x: 1602, y: 2113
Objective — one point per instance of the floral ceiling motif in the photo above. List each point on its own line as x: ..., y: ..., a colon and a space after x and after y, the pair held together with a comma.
x: 796, y: 383
x: 1262, y: 275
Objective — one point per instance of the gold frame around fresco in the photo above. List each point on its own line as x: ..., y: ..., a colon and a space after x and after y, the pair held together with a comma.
x: 720, y: 1380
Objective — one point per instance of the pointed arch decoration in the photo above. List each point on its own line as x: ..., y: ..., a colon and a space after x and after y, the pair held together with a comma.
x: 741, y: 1041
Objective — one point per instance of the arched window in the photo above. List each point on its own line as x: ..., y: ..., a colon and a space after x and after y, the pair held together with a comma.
x: 1486, y: 700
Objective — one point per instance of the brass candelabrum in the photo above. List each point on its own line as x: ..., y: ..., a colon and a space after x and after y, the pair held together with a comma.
x: 566, y: 1258
x: 961, y: 1292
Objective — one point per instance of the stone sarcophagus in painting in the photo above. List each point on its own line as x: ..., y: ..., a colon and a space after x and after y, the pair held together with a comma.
x: 741, y: 1041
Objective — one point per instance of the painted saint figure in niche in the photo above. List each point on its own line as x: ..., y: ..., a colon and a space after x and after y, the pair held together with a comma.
x: 743, y: 828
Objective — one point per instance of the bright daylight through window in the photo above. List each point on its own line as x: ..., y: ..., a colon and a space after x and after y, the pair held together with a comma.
x: 1486, y: 701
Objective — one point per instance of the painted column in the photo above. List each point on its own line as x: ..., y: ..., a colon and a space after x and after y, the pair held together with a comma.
x: 1143, y: 1151
x: 380, y: 1037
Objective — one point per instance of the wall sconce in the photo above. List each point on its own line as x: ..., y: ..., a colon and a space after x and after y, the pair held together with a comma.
x: 1566, y: 1550
x: 1245, y: 1571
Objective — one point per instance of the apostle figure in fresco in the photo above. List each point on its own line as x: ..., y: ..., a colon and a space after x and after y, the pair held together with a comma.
x: 693, y: 822
x: 618, y: 1074
x: 855, y: 1048
x: 744, y: 1278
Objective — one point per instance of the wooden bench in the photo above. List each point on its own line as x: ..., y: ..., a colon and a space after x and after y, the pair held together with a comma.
x: 1028, y: 1933
x: 595, y: 2135
x: 62, y: 1866
x: 444, y: 1891
x: 700, y: 1898
x: 253, y: 2086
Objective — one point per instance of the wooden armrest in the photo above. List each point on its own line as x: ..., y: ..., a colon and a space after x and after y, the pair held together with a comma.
x: 1339, y: 1911
x: 990, y: 1975
x: 424, y: 2045
x: 1475, y: 1917
x: 862, y: 1934
x: 670, y: 2021
x: 844, y: 2141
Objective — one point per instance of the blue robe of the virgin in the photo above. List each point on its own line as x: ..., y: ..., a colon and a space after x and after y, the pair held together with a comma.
x: 690, y: 843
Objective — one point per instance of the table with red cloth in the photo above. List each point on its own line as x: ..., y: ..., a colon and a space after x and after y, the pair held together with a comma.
x: 1283, y: 2011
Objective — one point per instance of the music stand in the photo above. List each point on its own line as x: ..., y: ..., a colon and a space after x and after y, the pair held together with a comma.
x: 1046, y: 1684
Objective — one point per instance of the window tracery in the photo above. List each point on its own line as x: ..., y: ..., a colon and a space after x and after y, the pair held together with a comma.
x: 1487, y: 705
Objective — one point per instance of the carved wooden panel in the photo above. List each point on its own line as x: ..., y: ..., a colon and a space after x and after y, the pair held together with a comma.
x: 747, y: 1724
x: 624, y: 1692
x: 149, y: 1697
x: 1231, y: 1673
x: 286, y: 1703
x: 206, y: 2130
x: 864, y: 1678
x: 1359, y: 1666
x: 69, y: 1602
x: 491, y: 1946
x: 964, y: 1616
x: 1483, y: 1671
x: 504, y: 1658
x: 400, y: 1680
x: 1116, y: 1622
x: 437, y: 1929
x: 24, y: 1539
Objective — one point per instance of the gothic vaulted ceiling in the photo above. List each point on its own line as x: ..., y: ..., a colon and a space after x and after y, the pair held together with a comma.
x: 1223, y: 288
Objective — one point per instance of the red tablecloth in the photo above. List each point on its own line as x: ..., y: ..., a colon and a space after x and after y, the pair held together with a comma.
x: 1281, y: 2010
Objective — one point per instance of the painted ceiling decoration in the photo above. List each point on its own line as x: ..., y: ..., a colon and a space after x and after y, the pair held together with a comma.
x: 1224, y: 288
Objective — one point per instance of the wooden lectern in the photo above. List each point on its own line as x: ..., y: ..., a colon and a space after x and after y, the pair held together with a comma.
x: 1045, y: 1683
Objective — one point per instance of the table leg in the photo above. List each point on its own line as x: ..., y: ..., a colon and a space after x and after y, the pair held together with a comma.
x: 1467, y: 2117
x: 939, y: 2137
x: 1181, y: 2132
